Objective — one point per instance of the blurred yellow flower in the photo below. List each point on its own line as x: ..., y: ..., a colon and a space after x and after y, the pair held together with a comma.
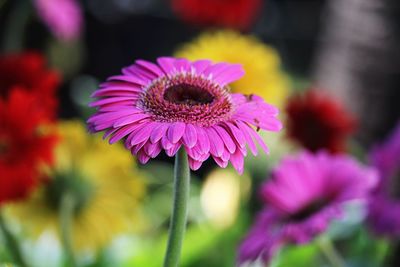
x: 260, y: 62
x: 221, y: 194
x: 103, y: 181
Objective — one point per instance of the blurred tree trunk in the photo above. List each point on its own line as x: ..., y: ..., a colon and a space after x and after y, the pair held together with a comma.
x: 359, y: 61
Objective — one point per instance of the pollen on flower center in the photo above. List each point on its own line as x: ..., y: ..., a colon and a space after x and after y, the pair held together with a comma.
x: 187, y: 98
x: 187, y: 94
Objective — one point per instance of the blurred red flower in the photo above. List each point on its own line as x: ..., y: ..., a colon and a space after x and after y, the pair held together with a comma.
x: 28, y: 71
x: 317, y: 121
x: 24, y: 145
x: 239, y: 14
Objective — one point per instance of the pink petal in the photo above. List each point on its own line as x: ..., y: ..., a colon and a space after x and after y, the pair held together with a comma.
x: 237, y: 160
x: 203, y: 143
x: 229, y: 144
x: 165, y: 143
x: 216, y: 143
x: 130, y: 119
x: 150, y: 66
x: 220, y: 162
x: 158, y: 132
x: 176, y: 131
x: 172, y: 151
x: 167, y: 65
x: 152, y: 149
x: 237, y: 134
x: 142, y: 157
x: 194, y: 164
x: 201, y: 65
x: 249, y: 140
x: 190, y: 136
x: 130, y: 79
x: 142, y: 134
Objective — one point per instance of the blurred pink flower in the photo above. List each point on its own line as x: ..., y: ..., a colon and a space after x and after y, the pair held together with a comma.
x: 305, y: 194
x: 181, y: 103
x: 384, y: 209
x: 63, y: 17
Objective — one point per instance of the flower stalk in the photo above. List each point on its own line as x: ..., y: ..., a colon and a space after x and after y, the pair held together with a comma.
x: 65, y: 216
x: 180, y: 209
x: 330, y: 252
x: 12, y: 243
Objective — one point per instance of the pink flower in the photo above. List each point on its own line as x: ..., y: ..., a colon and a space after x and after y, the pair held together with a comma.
x: 180, y: 103
x: 306, y: 193
x: 63, y: 17
x: 384, y: 205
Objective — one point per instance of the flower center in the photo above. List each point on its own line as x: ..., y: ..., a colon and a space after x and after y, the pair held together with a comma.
x: 187, y: 94
x: 187, y: 98
x: 308, y: 210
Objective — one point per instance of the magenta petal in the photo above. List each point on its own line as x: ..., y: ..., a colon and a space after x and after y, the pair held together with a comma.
x: 121, y: 133
x: 250, y: 142
x: 220, y: 162
x: 216, y: 143
x: 237, y: 161
x: 167, y: 64
x: 172, y: 151
x: 229, y: 144
x: 142, y: 157
x: 237, y: 134
x: 165, y: 143
x: 203, y: 143
x: 190, y: 136
x: 158, y: 132
x: 176, y: 131
x: 201, y: 65
x: 130, y: 119
x: 150, y: 66
x: 259, y: 140
x: 152, y: 149
x: 130, y: 79
x: 194, y: 164
x: 182, y: 65
x: 142, y: 134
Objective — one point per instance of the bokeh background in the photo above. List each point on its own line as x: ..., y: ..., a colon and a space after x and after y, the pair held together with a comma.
x: 347, y: 49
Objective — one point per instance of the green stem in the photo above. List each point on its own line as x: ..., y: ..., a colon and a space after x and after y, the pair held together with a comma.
x: 66, y: 214
x: 12, y: 243
x: 15, y: 26
x: 332, y: 255
x: 180, y: 209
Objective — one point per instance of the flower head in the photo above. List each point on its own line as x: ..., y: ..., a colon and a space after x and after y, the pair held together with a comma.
x: 384, y: 209
x: 28, y: 71
x: 178, y: 103
x: 306, y: 193
x: 317, y: 121
x: 63, y: 17
x: 238, y: 14
x: 260, y: 62
x: 24, y: 148
x: 103, y: 181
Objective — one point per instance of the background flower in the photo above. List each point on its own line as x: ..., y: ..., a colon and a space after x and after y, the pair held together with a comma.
x: 305, y: 195
x: 24, y: 146
x: 181, y: 103
x: 103, y: 181
x: 28, y: 71
x: 261, y: 63
x: 317, y: 121
x: 231, y: 13
x: 63, y: 17
x: 384, y: 216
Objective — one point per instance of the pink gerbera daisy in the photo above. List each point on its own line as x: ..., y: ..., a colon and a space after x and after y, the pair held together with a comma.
x: 306, y: 193
x: 177, y: 103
